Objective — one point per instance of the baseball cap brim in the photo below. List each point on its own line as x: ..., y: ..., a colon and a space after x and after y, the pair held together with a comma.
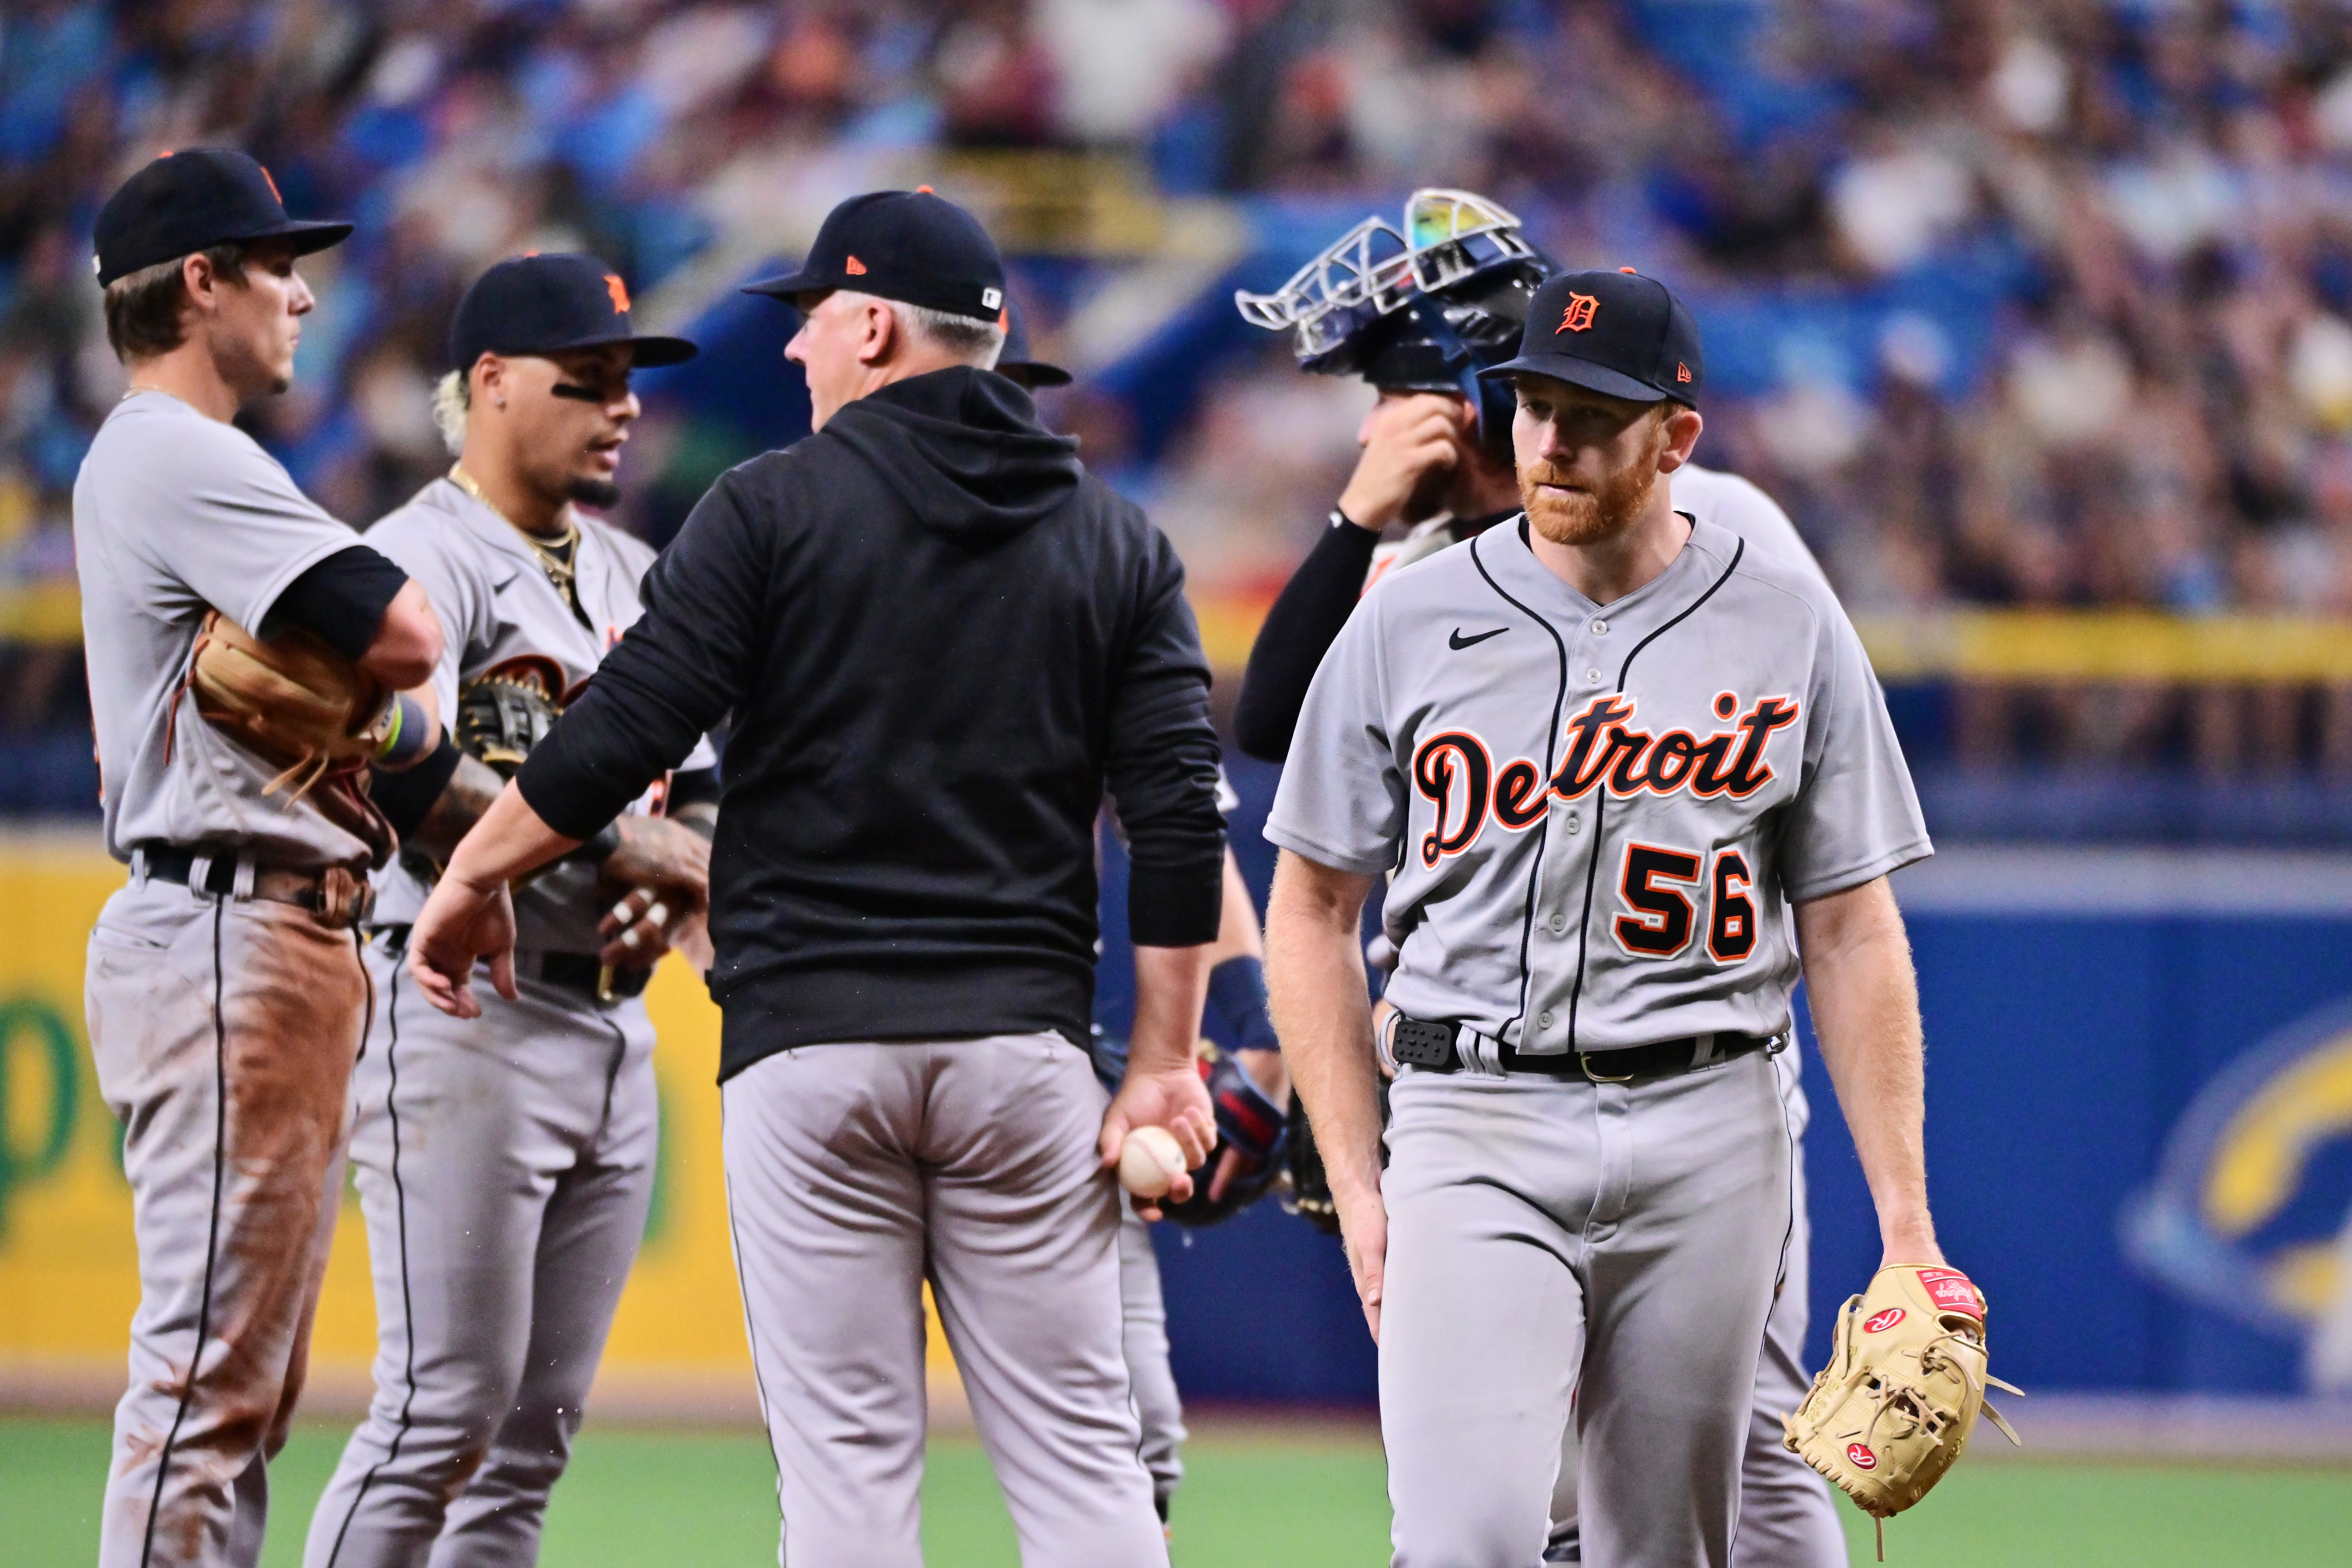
x: 303, y: 235
x: 648, y: 352
x: 1581, y: 372
x: 1038, y: 371
x: 792, y: 283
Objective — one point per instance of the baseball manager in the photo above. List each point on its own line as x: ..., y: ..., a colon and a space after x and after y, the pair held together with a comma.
x: 1606, y: 748
x: 941, y: 639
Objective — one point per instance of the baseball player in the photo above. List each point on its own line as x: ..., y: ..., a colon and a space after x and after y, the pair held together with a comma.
x: 1249, y: 1087
x: 505, y: 1163
x: 226, y: 1000
x: 940, y: 641
x: 1607, y: 749
x: 1431, y: 443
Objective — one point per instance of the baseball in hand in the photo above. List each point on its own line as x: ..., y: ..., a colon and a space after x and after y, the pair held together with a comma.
x: 1148, y: 1161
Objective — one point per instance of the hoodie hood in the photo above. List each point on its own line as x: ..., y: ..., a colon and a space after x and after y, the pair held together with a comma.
x: 964, y: 450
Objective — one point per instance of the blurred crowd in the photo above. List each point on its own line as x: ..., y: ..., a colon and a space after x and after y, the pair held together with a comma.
x: 2152, y: 407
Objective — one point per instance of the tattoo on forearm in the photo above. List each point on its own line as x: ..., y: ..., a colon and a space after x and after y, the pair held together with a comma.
x: 463, y: 802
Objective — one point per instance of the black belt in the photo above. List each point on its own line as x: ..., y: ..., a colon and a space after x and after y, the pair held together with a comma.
x: 582, y: 973
x: 339, y: 896
x: 1436, y: 1047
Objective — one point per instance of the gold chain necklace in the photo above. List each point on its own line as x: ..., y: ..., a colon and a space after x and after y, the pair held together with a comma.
x: 560, y: 570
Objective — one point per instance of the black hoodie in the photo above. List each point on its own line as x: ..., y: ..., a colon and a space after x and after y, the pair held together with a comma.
x: 940, y: 639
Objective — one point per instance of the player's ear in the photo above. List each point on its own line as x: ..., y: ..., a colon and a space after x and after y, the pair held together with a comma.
x: 1683, y: 426
x: 881, y: 335
x: 489, y: 380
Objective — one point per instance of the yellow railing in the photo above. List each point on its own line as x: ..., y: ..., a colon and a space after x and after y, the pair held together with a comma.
x: 47, y: 614
x: 1979, y: 644
x: 2016, y: 645
x: 2107, y: 645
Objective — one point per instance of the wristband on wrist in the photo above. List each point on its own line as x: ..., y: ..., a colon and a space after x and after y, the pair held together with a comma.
x: 1237, y: 995
x: 408, y: 739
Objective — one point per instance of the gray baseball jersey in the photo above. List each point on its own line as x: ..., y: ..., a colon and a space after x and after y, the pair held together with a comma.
x: 223, y: 1026
x: 1597, y: 815
x: 175, y: 513
x: 501, y: 615
x: 504, y: 1163
x: 1787, y: 1519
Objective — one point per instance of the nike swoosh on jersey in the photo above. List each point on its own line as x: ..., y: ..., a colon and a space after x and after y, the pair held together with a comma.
x: 1457, y: 641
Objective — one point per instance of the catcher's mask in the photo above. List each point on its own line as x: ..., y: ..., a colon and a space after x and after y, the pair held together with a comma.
x: 1421, y: 308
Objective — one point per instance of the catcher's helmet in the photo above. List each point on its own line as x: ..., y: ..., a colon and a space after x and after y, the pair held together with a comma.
x: 1423, y: 309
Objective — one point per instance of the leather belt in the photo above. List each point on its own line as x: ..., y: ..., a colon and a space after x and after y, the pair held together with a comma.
x: 338, y: 897
x: 580, y: 972
x: 1436, y: 1047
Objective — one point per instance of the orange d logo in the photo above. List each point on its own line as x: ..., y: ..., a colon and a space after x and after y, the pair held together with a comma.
x: 619, y: 291
x: 1582, y: 309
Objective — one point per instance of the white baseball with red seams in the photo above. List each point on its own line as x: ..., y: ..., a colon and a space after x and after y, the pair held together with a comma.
x: 1149, y: 1162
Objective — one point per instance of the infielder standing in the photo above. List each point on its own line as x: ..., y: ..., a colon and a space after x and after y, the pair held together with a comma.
x: 942, y: 640
x: 1606, y: 749
x: 505, y: 1163
x: 226, y: 1000
x: 1437, y: 461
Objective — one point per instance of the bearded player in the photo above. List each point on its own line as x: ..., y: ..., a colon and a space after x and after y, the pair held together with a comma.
x: 1418, y: 311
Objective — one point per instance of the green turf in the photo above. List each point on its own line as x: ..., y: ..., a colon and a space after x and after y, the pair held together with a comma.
x: 638, y: 1496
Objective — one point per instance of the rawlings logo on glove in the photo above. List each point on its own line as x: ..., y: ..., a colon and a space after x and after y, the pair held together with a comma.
x: 1895, y: 1406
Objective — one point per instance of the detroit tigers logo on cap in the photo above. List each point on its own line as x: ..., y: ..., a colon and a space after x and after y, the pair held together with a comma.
x: 619, y: 291
x: 1577, y: 317
x: 1880, y: 1322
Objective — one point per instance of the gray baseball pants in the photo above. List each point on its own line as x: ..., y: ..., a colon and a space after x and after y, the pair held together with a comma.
x: 1558, y: 1249
x: 856, y: 1170
x: 1787, y: 1517
x: 1158, y: 1410
x: 223, y: 1032
x: 505, y: 1164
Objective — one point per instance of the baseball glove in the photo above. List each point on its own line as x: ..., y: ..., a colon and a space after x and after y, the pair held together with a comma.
x: 297, y: 702
x: 1247, y: 1122
x: 1310, y: 1186
x: 502, y: 714
x: 1895, y: 1405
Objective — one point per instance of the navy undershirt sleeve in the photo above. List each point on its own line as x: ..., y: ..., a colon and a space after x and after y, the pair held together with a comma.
x: 342, y: 600
x: 1301, y: 628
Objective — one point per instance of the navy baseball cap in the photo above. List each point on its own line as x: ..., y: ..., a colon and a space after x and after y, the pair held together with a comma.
x: 1017, y: 360
x: 191, y: 199
x: 1618, y: 333
x: 544, y: 304
x: 914, y: 247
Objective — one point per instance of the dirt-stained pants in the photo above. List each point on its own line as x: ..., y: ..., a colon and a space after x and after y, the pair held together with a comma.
x: 224, y: 1032
x: 853, y: 1171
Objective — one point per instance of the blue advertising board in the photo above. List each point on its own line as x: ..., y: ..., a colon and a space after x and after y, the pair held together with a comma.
x: 2139, y: 1134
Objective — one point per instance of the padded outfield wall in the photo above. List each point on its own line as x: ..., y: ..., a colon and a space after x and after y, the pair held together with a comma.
x: 2140, y: 1129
